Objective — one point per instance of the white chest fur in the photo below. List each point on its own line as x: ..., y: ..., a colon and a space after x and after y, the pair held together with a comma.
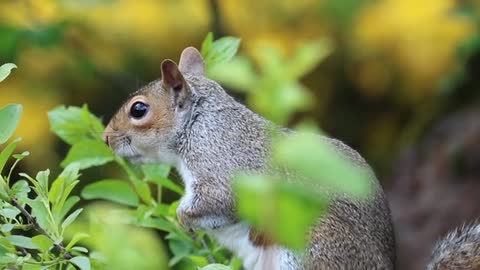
x: 236, y: 238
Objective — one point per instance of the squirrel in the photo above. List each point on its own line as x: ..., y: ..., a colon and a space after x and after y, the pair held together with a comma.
x: 189, y: 121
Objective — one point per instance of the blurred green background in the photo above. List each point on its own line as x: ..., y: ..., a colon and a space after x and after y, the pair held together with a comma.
x: 400, y: 84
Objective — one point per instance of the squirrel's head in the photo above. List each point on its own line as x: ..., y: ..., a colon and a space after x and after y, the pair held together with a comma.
x: 144, y: 128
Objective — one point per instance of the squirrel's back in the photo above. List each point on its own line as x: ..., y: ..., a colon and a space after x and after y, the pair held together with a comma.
x: 355, y: 233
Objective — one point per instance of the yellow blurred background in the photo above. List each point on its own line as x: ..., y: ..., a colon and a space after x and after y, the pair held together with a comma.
x: 395, y: 52
x: 398, y: 68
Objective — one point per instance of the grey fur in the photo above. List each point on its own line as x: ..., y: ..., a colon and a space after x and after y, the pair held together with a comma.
x: 214, y: 136
x: 459, y: 250
x: 222, y: 136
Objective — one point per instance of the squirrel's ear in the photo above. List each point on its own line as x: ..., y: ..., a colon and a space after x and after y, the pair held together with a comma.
x: 174, y: 82
x: 191, y: 62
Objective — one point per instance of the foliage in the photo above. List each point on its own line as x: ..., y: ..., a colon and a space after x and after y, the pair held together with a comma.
x: 38, y: 215
x: 40, y: 223
x: 274, y: 91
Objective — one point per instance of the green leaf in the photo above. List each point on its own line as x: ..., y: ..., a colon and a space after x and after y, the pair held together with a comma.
x: 88, y: 153
x: 21, y: 241
x: 77, y: 237
x: 268, y: 203
x: 71, y: 218
x: 42, y: 242
x: 237, y: 73
x: 5, y: 228
x: 20, y: 190
x: 80, y: 249
x: 74, y: 124
x: 165, y: 182
x: 307, y: 57
x: 9, y: 211
x: 82, y: 262
x: 56, y: 190
x: 207, y: 43
x: 7, y: 152
x: 9, y: 119
x: 198, y: 260
x: 61, y: 189
x: 143, y: 190
x: 155, y: 170
x: 41, y: 214
x: 155, y: 223
x: 220, y: 51
x: 112, y: 190
x: 5, y: 70
x: 21, y: 156
x: 67, y: 206
x: 27, y: 266
x: 317, y: 159
x: 42, y: 179
x: 215, y: 266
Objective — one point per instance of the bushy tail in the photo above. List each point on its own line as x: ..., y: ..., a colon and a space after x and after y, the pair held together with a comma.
x: 459, y: 250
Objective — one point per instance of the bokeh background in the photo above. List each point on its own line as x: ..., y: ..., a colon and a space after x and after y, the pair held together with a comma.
x: 401, y: 84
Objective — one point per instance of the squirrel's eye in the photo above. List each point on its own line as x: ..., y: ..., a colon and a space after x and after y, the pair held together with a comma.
x: 138, y: 110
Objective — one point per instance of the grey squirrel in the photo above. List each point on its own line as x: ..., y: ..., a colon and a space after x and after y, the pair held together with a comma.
x: 190, y: 122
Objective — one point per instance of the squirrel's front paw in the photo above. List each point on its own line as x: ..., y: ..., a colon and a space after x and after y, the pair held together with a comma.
x: 191, y: 219
x: 186, y: 217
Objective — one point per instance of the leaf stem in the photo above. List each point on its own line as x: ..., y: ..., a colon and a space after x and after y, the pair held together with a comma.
x: 33, y: 222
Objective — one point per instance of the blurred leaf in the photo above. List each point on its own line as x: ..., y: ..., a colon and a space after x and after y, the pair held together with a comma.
x: 308, y: 56
x: 143, y: 190
x: 155, y: 223
x: 279, y: 102
x: 5, y: 70
x: 9, y: 119
x: 21, y: 241
x: 155, y: 170
x: 316, y: 159
x: 199, y: 260
x: 7, y: 152
x: 220, y: 51
x: 79, y: 249
x: 180, y: 250
x: 269, y: 203
x: 165, y: 182
x: 27, y: 266
x: 21, y: 156
x: 88, y: 153
x: 76, y: 237
x: 215, y: 266
x: 158, y: 174
x: 238, y: 73
x: 108, y: 232
x: 74, y: 124
x: 82, y: 262
x: 71, y: 218
x: 207, y: 43
x: 112, y: 190
x: 42, y: 242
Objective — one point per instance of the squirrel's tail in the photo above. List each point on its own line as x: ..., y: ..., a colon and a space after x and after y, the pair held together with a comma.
x: 460, y: 250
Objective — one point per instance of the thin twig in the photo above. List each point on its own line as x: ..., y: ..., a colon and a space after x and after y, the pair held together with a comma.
x: 33, y: 221
x: 210, y: 257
